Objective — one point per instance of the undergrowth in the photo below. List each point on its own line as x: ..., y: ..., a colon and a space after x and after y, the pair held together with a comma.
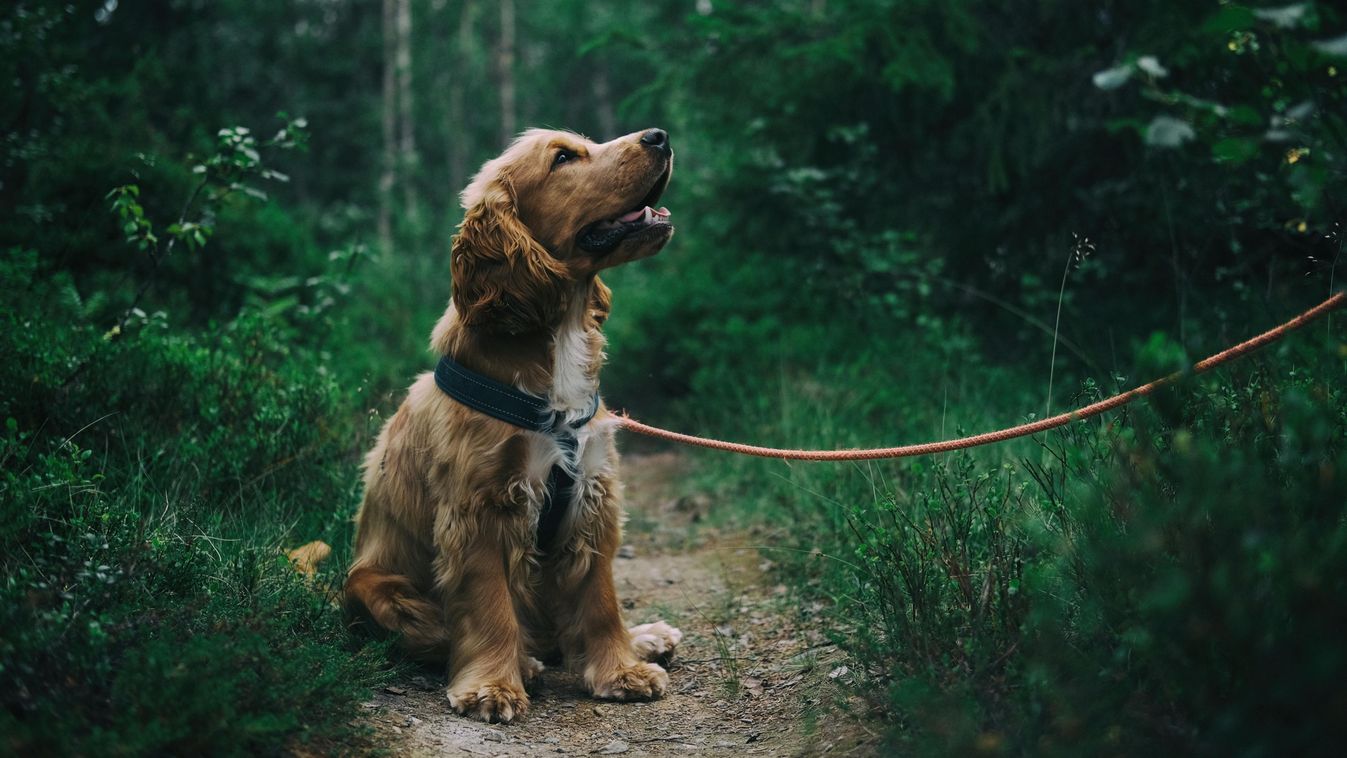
x: 1168, y: 577
x: 149, y: 486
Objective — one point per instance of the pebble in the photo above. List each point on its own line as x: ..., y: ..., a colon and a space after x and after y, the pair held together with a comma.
x: 600, y: 711
x: 615, y: 747
x: 395, y: 690
x: 626, y: 551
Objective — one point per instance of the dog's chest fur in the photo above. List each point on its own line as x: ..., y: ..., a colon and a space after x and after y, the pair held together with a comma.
x: 576, y: 354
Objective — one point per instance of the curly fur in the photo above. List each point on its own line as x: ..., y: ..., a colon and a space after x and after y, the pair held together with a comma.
x: 445, y: 551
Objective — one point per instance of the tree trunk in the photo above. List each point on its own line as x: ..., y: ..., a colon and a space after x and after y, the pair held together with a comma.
x: 505, y: 72
x: 456, y: 130
x: 388, y: 175
x: 407, y: 161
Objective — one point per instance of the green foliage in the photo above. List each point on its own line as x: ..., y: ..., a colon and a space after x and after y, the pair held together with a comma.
x: 874, y: 200
x: 147, y: 602
x: 1196, y: 604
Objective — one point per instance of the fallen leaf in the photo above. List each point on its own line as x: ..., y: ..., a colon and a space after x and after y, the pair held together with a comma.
x: 306, y: 558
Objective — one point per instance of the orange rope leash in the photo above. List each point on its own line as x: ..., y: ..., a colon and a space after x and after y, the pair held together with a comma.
x: 1023, y: 430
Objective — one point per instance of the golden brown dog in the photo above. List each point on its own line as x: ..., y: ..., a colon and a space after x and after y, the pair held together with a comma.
x: 446, y: 543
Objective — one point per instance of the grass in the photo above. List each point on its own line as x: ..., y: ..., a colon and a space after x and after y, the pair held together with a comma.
x: 1036, y: 596
x: 148, y: 604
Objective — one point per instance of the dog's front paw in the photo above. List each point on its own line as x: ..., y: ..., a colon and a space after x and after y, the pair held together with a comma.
x: 654, y: 641
x: 489, y: 701
x: 530, y: 668
x: 643, y: 681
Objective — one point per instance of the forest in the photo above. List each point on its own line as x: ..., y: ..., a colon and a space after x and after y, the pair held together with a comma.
x: 224, y: 239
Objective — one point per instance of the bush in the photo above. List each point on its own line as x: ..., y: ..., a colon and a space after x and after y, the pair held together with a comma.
x: 148, y: 486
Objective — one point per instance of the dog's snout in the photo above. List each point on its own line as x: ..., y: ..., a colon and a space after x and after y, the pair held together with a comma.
x: 656, y: 138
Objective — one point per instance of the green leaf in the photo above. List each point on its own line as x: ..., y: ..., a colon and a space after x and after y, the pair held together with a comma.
x: 1234, y: 150
x: 1167, y: 131
x: 1336, y: 47
x: 1113, y: 78
x: 1285, y: 17
x: 1245, y: 114
x: 1231, y: 18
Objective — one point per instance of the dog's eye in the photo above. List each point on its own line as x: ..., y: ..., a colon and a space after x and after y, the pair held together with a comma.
x: 563, y: 155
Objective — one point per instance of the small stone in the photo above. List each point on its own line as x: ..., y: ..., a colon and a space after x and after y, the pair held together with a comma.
x: 614, y: 748
x: 395, y: 690
x: 626, y: 551
x: 600, y: 711
x: 695, y: 506
x: 838, y: 672
x: 753, y: 685
x: 412, y: 721
x: 493, y: 737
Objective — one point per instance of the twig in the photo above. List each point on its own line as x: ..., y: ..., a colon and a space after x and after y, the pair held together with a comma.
x: 121, y: 324
x: 671, y: 738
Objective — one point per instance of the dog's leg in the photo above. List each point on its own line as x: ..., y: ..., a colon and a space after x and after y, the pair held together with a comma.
x: 393, y: 603
x: 654, y: 641
x: 595, y: 637
x: 487, y: 665
x: 585, y: 605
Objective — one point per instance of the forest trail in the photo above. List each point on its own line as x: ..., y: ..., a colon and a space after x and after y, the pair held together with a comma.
x: 748, y: 678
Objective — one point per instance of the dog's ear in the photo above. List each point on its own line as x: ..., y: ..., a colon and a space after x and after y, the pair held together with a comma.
x: 504, y: 281
x: 600, y: 301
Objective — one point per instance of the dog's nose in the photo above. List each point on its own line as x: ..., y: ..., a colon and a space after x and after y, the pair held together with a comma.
x: 656, y: 138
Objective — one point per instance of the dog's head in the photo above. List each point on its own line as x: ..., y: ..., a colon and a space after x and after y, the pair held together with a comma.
x: 555, y: 208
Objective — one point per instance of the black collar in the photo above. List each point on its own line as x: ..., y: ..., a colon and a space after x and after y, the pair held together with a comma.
x: 501, y: 401
x: 526, y: 411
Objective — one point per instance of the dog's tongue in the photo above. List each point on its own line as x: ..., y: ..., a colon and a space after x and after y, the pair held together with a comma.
x: 645, y: 212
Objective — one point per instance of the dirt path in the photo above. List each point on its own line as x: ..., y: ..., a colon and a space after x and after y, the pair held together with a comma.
x: 746, y: 680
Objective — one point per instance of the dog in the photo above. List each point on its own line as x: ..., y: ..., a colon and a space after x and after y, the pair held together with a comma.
x: 491, y: 514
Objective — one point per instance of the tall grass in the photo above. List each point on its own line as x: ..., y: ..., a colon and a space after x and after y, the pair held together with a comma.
x: 1158, y: 580
x: 147, y: 603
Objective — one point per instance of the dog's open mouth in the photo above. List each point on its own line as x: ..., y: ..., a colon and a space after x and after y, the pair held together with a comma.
x: 603, y: 236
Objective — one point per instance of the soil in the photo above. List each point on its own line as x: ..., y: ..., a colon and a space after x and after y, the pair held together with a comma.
x: 751, y: 676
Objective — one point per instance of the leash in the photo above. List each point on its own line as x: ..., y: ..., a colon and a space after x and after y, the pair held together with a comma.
x: 987, y: 438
